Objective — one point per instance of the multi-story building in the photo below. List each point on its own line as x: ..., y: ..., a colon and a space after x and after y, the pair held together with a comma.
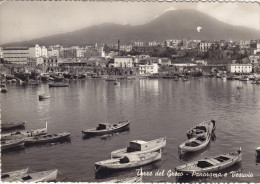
x: 240, y: 68
x: 164, y: 61
x: 44, y: 52
x: 139, y: 44
x: 53, y: 53
x: 16, y: 54
x: 126, y: 48
x: 35, y: 51
x: 148, y: 69
x: 154, y: 43
x: 255, y: 61
x: 172, y: 43
x: 52, y: 61
x: 1, y: 52
x: 123, y: 62
x: 204, y: 46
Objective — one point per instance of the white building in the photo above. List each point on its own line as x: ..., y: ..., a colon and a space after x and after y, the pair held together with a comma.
x: 44, y: 52
x: 35, y: 51
x: 139, y: 44
x: 16, y: 54
x: 257, y: 50
x: 1, y: 52
x: 201, y: 62
x: 123, y: 62
x: 52, y: 53
x: 148, y: 69
x: 154, y: 43
x: 126, y: 48
x: 204, y: 46
x: 240, y: 68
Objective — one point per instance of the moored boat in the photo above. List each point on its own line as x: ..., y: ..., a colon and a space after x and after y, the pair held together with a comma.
x: 195, y: 144
x: 42, y: 176
x: 106, y: 128
x: 43, y: 97
x: 12, y: 125
x: 257, y: 151
x: 139, y: 146
x: 58, y: 85
x: 213, y: 164
x: 13, y: 174
x: 202, y: 128
x: 25, y: 133
x: 47, y: 138
x: 6, y: 144
x: 130, y: 161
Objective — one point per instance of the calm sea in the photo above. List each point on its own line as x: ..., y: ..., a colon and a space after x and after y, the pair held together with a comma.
x: 155, y: 108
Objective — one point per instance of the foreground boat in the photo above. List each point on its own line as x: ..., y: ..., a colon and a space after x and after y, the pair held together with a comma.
x: 195, y: 144
x: 43, y: 97
x: 201, y: 129
x: 47, y: 138
x: 137, y: 179
x: 6, y: 144
x: 58, y: 85
x: 129, y: 161
x: 43, y: 176
x: 213, y: 164
x: 6, y: 126
x: 138, y: 147
x: 26, y: 133
x: 107, y: 128
x: 13, y: 174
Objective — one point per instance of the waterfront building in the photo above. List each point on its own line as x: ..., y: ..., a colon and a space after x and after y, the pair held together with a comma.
x: 201, y: 62
x: 255, y: 61
x: 52, y: 61
x: 1, y: 52
x: 53, y: 53
x: 154, y: 43
x: 172, y: 43
x: 148, y: 69
x: 123, y: 61
x: 240, y: 68
x: 204, y: 46
x: 16, y: 54
x: 164, y: 61
x: 44, y: 51
x: 139, y: 44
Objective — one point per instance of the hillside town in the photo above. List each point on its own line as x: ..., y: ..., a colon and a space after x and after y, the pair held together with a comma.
x: 216, y: 58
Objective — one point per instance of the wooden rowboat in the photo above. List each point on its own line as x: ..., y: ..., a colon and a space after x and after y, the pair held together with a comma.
x: 195, y: 143
x: 202, y: 128
x: 107, y: 128
x: 137, y: 179
x: 138, y: 147
x: 6, y: 144
x: 13, y: 174
x: 47, y: 138
x: 44, y: 96
x: 23, y: 134
x: 43, y: 176
x: 130, y: 161
x: 213, y: 164
x: 6, y: 126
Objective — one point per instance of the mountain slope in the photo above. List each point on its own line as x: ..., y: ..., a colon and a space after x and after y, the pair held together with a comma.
x: 175, y: 24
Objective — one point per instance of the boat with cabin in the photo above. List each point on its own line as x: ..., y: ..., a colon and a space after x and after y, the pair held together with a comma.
x: 47, y: 138
x: 201, y: 129
x: 107, y: 128
x: 13, y: 174
x: 25, y: 133
x: 12, y: 125
x: 14, y: 143
x: 129, y: 161
x: 214, y: 164
x: 195, y: 144
x: 139, y: 146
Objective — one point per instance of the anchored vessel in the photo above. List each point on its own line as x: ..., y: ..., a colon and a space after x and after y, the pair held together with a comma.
x: 5, y: 144
x: 138, y: 146
x: 13, y: 174
x: 58, y: 85
x: 213, y: 164
x: 6, y: 126
x: 107, y: 128
x: 201, y: 129
x: 47, y: 138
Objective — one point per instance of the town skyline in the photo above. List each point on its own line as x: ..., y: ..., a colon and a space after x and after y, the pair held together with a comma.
x: 29, y: 25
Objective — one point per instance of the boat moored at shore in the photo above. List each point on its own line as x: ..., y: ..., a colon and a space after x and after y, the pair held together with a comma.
x: 202, y: 128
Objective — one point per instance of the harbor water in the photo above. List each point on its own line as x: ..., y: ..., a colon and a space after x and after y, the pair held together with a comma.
x: 154, y: 107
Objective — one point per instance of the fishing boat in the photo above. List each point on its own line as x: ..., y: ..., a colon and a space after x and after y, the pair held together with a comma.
x: 58, y: 85
x: 6, y: 144
x: 26, y: 133
x: 195, y: 144
x: 139, y: 146
x: 136, y: 179
x: 257, y: 151
x: 107, y: 128
x: 202, y: 128
x: 213, y: 164
x: 43, y: 97
x: 12, y: 125
x: 42, y: 176
x: 47, y: 138
x: 13, y: 174
x: 130, y: 161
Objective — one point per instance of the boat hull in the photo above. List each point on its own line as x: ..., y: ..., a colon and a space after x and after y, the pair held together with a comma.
x: 209, y: 126
x: 184, y: 149
x: 33, y: 140
x: 8, y: 126
x: 12, y: 144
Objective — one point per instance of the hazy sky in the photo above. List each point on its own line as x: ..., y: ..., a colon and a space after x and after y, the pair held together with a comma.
x: 21, y: 21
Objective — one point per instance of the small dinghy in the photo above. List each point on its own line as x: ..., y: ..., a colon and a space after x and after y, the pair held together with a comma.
x: 213, y: 164
x: 6, y: 144
x: 195, y: 144
x: 129, y: 161
x: 202, y: 128
x: 107, y: 128
x: 43, y: 97
x: 26, y: 133
x: 137, y: 179
x: 43, y: 176
x: 47, y: 138
x: 13, y: 174
x: 138, y: 146
x: 12, y: 125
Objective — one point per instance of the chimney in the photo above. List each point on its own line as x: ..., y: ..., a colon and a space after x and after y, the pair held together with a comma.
x: 118, y: 43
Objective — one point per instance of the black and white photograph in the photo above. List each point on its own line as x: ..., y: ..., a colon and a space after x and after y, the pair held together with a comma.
x: 130, y: 91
